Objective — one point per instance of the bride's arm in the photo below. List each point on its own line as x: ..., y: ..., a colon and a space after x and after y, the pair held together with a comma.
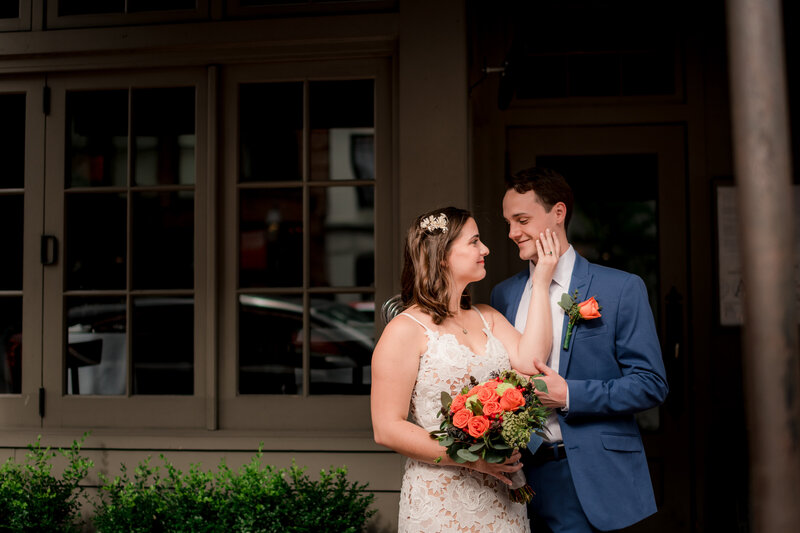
x: 536, y: 342
x: 395, y: 363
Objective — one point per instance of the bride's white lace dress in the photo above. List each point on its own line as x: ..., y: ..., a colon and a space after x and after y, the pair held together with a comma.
x: 437, y: 498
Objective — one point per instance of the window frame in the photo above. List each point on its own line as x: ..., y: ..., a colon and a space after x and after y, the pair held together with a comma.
x: 55, y: 21
x: 22, y: 410
x: 255, y: 411
x: 131, y: 411
x: 22, y: 22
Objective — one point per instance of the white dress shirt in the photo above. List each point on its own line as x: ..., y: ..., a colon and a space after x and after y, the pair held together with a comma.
x: 559, y: 286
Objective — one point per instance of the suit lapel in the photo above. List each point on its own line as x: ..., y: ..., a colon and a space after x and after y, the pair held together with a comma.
x: 581, y: 279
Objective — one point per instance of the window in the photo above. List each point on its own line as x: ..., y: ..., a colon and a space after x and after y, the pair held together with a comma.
x: 15, y: 15
x: 21, y: 181
x: 88, y: 13
x: 301, y: 195
x: 130, y: 194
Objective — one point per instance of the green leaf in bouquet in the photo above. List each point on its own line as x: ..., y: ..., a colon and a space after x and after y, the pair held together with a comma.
x: 493, y: 456
x: 540, y: 385
x: 500, y: 446
x: 566, y: 302
x: 446, y: 400
x: 453, y: 453
x: 476, y: 447
x: 447, y: 441
x: 467, y: 455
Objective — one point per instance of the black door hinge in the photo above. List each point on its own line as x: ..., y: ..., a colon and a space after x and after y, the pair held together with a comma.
x: 41, y: 402
x: 46, y: 100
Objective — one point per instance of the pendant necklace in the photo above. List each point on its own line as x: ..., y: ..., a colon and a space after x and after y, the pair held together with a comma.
x: 462, y: 327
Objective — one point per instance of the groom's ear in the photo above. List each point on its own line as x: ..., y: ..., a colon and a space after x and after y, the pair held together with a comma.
x: 560, y: 209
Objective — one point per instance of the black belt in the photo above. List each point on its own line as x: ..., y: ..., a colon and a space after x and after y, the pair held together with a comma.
x: 548, y: 452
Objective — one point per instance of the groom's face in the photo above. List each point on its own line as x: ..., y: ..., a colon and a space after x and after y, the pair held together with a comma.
x: 526, y: 219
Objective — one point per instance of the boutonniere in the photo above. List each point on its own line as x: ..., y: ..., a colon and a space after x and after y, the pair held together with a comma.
x: 586, y: 310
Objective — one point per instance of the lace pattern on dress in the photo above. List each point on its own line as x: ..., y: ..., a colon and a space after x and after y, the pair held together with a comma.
x: 448, y: 498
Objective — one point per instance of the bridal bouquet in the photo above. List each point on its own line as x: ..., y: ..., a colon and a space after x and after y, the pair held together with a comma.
x: 490, y: 420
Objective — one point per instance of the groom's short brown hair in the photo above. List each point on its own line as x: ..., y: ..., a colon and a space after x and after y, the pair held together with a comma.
x: 550, y: 188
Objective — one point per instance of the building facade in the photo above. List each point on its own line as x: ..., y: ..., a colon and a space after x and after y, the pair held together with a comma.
x: 202, y: 205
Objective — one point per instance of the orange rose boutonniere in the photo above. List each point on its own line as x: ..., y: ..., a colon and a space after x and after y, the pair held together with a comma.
x: 585, y: 310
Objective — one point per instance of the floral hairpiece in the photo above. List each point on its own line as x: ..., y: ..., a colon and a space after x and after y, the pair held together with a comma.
x: 432, y: 223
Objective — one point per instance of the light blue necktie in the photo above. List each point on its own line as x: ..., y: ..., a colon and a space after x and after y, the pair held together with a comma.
x: 535, y: 442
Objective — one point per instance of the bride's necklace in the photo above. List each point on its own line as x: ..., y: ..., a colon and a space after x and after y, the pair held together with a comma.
x: 462, y: 327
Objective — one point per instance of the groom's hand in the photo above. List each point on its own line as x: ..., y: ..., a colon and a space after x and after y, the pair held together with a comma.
x: 556, y: 395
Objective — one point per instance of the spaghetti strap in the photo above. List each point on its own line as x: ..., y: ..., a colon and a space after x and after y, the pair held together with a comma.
x: 417, y: 321
x: 485, y: 324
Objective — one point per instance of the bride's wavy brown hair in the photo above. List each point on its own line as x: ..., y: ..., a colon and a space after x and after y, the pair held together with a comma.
x: 426, y: 280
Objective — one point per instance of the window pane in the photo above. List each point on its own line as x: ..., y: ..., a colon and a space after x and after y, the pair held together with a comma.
x: 97, y: 138
x: 12, y: 141
x: 159, y: 5
x: 342, y: 339
x: 9, y: 9
x: 163, y: 240
x: 95, y: 241
x: 96, y: 346
x: 342, y: 119
x: 270, y: 131
x: 162, y: 345
x: 271, y: 238
x: 270, y: 344
x: 11, y: 211
x: 163, y: 130
x: 86, y: 7
x: 342, y: 236
x: 11, y: 345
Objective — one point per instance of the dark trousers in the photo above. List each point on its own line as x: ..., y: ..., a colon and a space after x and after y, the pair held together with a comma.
x: 555, y: 507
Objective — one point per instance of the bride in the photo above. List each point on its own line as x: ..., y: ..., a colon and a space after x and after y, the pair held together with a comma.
x: 440, y: 341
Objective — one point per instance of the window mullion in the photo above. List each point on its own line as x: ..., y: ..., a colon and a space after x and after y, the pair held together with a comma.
x: 128, y: 250
x: 306, y: 244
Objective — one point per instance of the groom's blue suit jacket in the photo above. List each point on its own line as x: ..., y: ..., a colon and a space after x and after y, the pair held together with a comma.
x: 613, y: 369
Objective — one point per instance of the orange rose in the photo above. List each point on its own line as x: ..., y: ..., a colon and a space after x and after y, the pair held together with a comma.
x: 462, y: 418
x: 474, y: 390
x: 486, y: 394
x: 511, y: 400
x: 458, y: 403
x: 589, y: 309
x: 477, y: 426
x: 492, y: 408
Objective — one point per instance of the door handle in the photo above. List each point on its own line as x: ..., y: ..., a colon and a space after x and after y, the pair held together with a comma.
x: 673, y: 338
x: 49, y: 250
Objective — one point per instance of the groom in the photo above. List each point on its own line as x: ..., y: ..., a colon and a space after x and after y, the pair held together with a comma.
x: 590, y: 473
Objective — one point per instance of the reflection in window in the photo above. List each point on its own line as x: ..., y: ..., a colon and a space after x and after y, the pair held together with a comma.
x: 270, y: 131
x: 163, y: 130
x: 96, y: 346
x: 163, y: 240
x: 162, y: 344
x: 12, y: 141
x: 271, y: 238
x: 310, y: 237
x: 271, y: 345
x: 11, y: 235
x: 130, y: 227
x: 95, y: 241
x: 97, y: 138
x: 10, y: 345
x: 342, y: 236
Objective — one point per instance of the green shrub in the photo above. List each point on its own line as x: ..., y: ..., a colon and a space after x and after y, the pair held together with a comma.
x: 257, y: 498
x: 33, y: 499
